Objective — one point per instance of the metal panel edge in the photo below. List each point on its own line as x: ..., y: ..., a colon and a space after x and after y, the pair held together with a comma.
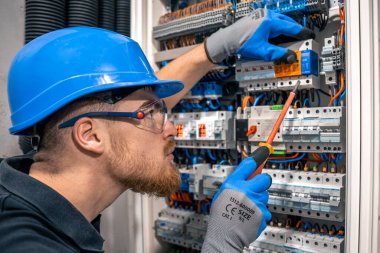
x: 354, y: 127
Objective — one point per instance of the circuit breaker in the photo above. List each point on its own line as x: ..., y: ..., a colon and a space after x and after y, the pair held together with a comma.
x: 233, y: 108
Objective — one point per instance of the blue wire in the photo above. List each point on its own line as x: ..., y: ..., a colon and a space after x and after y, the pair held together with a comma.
x: 221, y: 163
x: 188, y: 154
x: 197, y: 106
x: 269, y: 97
x: 324, y: 157
x: 307, y: 100
x: 187, y: 106
x: 234, y: 4
x: 333, y: 94
x: 306, y: 226
x: 289, y: 160
x: 258, y: 99
x: 195, y: 159
x: 211, y: 105
x: 341, y: 96
x: 304, y: 21
x: 338, y: 158
x: 213, y: 157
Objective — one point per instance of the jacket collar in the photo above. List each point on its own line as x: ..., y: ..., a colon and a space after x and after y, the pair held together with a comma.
x: 14, y: 177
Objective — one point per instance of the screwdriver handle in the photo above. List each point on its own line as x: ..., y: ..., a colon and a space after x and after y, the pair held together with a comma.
x: 260, y: 155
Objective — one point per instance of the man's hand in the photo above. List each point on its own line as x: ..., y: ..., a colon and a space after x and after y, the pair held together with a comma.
x: 250, y: 36
x: 238, y: 212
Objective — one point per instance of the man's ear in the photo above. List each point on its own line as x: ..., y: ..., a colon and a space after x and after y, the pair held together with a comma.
x: 89, y: 134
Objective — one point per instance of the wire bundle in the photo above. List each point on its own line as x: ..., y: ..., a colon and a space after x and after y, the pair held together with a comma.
x: 123, y: 23
x: 194, y: 9
x: 107, y: 14
x: 42, y: 17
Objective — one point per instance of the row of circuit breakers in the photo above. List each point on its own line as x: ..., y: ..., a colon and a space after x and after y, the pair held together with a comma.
x: 307, y: 196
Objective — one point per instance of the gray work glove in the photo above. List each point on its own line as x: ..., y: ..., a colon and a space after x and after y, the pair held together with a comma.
x: 249, y: 37
x: 238, y: 212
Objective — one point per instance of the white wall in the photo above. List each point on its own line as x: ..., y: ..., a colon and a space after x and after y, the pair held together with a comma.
x: 11, y: 40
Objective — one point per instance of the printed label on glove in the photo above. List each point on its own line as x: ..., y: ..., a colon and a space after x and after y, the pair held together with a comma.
x: 236, y: 208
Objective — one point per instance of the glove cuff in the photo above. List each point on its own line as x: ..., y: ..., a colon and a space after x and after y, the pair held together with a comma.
x: 207, y: 53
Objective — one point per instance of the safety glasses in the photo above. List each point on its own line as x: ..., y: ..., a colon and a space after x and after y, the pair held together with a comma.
x: 151, y: 117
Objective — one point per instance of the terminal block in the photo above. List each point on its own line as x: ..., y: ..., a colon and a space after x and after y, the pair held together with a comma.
x: 205, y: 181
x: 317, y: 129
x: 182, y: 227
x: 196, y: 230
x: 332, y: 59
x: 211, y: 130
x: 211, y: 90
x: 262, y: 76
x: 309, y: 194
x: 196, y: 179
x: 171, y: 225
x: 282, y: 6
x: 282, y: 240
x: 214, y: 178
x: 190, y: 25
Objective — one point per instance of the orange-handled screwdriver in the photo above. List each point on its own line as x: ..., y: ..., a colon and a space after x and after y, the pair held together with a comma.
x: 260, y: 153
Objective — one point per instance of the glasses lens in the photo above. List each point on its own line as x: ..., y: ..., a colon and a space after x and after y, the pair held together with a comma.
x: 155, y: 116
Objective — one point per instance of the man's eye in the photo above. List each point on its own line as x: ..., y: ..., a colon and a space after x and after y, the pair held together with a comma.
x: 150, y: 113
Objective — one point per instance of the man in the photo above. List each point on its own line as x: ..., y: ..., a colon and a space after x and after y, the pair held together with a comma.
x: 98, y: 114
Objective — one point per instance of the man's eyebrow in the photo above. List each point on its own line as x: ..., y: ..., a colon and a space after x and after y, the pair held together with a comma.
x: 148, y: 102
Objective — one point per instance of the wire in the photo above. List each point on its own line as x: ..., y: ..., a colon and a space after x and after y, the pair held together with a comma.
x: 246, y: 100
x: 295, y: 104
x: 324, y: 157
x: 284, y: 157
x: 299, y: 224
x: 341, y: 97
x: 342, y: 26
x: 307, y: 226
x: 307, y: 101
x: 317, y: 157
x: 342, y: 85
x: 221, y: 163
x: 211, y: 105
x: 196, y: 106
x: 195, y: 159
x: 188, y: 154
x: 244, y: 153
x: 258, y: 99
x: 290, y: 160
x: 324, y: 93
x: 213, y: 157
x: 332, y: 230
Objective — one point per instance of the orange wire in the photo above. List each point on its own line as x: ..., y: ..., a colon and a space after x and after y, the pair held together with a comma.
x: 342, y: 27
x: 299, y: 224
x: 244, y: 153
x: 340, y: 90
x: 317, y: 157
x: 245, y: 101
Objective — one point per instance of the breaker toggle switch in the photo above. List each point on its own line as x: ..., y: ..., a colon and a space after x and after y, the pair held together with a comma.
x: 252, y: 130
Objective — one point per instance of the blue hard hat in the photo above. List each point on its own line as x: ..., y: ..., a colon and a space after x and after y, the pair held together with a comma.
x: 61, y: 66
